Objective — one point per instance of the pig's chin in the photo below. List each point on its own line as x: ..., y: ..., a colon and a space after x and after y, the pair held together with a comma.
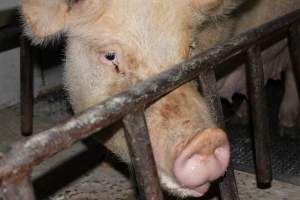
x: 173, y: 187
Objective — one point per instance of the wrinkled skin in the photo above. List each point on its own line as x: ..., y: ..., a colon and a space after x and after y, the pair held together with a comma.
x: 114, y: 44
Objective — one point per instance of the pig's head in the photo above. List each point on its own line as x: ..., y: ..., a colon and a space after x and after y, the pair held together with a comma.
x: 113, y: 44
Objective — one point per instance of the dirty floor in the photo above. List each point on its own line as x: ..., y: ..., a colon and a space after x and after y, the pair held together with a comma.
x: 83, y: 172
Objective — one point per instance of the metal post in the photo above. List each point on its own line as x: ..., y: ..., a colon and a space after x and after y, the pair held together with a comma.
x: 142, y: 158
x: 294, y: 45
x: 257, y: 96
x: 207, y: 79
x: 18, y: 190
x: 26, y: 71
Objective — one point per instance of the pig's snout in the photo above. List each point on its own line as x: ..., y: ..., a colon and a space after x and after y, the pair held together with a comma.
x: 204, y: 159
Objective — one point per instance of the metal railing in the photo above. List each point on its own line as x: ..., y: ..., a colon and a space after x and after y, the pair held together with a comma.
x: 16, y: 165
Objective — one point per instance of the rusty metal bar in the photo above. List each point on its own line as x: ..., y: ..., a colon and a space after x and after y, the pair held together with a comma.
x: 294, y: 46
x: 207, y: 82
x: 26, y: 74
x: 142, y: 159
x: 228, y: 188
x: 18, y: 190
x: 258, y: 103
x: 24, y: 155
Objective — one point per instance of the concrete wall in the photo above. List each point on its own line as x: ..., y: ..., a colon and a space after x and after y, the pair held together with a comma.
x: 8, y: 4
x: 10, y: 68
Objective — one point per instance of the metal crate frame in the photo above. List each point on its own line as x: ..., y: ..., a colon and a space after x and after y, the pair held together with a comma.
x: 16, y: 165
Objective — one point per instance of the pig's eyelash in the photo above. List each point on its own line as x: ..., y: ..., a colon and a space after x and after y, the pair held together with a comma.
x: 111, y: 56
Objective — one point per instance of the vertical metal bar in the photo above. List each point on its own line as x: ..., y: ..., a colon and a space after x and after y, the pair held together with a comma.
x: 207, y: 80
x: 294, y: 46
x: 18, y: 190
x: 26, y: 70
x: 257, y: 96
x: 136, y: 133
x: 208, y: 89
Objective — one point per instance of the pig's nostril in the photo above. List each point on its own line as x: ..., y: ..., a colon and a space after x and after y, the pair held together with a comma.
x: 204, y: 159
x: 222, y: 154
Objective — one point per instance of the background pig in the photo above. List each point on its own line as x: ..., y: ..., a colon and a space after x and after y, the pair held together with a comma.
x: 276, y: 59
x: 113, y: 44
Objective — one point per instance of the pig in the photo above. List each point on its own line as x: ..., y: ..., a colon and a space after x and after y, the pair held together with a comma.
x: 112, y: 45
x: 276, y: 59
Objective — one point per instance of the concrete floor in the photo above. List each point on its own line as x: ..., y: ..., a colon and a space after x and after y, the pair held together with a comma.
x: 81, y: 173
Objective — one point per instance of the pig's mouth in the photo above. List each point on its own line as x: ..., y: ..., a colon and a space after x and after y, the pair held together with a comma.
x: 204, y: 159
x: 175, y: 188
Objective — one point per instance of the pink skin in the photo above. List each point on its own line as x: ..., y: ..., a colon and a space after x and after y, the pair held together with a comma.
x: 204, y: 159
x: 114, y: 44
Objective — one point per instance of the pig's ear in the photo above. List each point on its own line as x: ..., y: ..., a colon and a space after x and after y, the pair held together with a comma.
x: 216, y: 7
x: 47, y: 19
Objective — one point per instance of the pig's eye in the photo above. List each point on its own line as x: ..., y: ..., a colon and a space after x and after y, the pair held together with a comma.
x: 110, y: 56
x: 111, y: 59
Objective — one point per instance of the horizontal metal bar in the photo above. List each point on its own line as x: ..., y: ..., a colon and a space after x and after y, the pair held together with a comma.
x: 25, y: 155
x: 18, y: 190
x: 141, y: 155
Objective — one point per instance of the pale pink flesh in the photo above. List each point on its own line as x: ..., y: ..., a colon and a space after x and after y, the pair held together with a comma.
x: 204, y: 159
